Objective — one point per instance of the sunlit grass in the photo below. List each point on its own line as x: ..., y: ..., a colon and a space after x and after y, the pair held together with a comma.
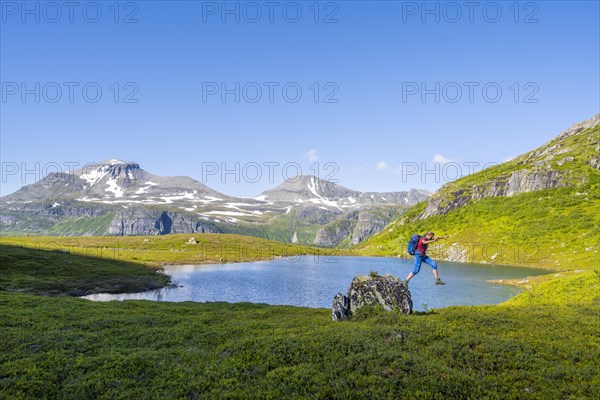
x: 543, y: 344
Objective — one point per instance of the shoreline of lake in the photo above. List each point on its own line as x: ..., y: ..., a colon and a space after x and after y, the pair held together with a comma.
x: 520, y: 283
x: 312, y: 281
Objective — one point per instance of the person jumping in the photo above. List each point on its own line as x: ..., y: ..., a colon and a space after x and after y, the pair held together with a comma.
x: 422, y: 257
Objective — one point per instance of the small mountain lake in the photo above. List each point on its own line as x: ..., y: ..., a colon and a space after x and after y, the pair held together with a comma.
x: 310, y: 281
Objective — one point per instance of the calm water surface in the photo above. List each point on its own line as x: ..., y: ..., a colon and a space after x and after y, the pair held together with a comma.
x: 313, y: 281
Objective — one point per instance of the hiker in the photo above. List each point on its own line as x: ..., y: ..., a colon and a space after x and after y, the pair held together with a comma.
x: 422, y: 257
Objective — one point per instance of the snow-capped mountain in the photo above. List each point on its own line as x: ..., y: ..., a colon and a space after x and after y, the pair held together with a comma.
x: 308, y: 189
x: 120, y: 198
x: 116, y: 182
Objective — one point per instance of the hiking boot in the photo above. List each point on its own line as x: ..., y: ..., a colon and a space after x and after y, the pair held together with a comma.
x: 438, y: 281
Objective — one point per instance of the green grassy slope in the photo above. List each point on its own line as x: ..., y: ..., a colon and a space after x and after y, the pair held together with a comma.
x: 542, y: 344
x: 568, y: 156
x: 554, y: 228
x: 169, y: 249
x: 56, y: 272
x: 83, y: 226
x: 70, y: 348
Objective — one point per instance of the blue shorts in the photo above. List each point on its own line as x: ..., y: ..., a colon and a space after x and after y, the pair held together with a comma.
x: 423, y: 259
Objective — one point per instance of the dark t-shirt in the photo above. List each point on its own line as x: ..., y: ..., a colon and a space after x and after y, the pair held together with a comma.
x: 421, y: 248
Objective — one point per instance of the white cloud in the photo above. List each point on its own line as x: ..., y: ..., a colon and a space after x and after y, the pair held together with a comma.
x: 382, y: 166
x: 507, y: 159
x: 438, y: 158
x: 312, y: 155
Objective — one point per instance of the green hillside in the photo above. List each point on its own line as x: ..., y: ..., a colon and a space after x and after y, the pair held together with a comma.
x: 60, y: 272
x: 555, y: 227
x: 69, y: 348
x: 156, y: 251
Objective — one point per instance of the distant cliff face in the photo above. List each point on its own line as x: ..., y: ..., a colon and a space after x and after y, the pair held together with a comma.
x: 559, y: 163
x: 148, y: 222
x: 353, y: 228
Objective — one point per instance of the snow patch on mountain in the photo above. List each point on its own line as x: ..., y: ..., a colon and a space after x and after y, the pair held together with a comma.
x: 144, y: 189
x: 261, y: 198
x: 236, y: 205
x: 114, y: 188
x: 312, y: 186
x: 208, y: 199
x: 181, y: 196
x: 95, y: 176
x: 228, y: 213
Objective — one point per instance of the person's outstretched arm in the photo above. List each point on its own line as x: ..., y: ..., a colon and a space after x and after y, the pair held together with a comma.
x: 435, y: 239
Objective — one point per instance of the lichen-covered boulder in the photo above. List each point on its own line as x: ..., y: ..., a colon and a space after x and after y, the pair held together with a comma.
x: 386, y: 291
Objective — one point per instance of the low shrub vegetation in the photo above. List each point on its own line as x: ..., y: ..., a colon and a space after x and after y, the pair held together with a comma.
x: 543, y: 344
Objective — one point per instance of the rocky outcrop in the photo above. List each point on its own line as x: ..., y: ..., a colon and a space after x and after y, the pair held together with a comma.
x: 581, y: 126
x: 522, y: 181
x: 372, y: 221
x: 334, y: 233
x: 454, y: 252
x: 316, y: 215
x: 553, y: 165
x: 530, y: 181
x: 148, y: 222
x: 386, y: 291
x: 42, y: 217
x: 340, y: 310
x: 357, y: 226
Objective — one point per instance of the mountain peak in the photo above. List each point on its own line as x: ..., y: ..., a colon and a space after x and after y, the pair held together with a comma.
x: 125, y: 173
x: 304, y: 187
x: 114, y: 161
x: 303, y: 180
x: 315, y: 191
x: 579, y: 127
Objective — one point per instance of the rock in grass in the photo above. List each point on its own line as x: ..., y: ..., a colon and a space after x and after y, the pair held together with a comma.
x: 386, y: 291
x: 340, y: 310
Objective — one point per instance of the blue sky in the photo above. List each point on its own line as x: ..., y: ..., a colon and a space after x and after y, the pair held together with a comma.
x: 368, y: 126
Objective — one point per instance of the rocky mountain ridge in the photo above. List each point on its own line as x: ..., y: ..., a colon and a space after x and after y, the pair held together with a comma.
x: 553, y: 165
x: 120, y: 198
